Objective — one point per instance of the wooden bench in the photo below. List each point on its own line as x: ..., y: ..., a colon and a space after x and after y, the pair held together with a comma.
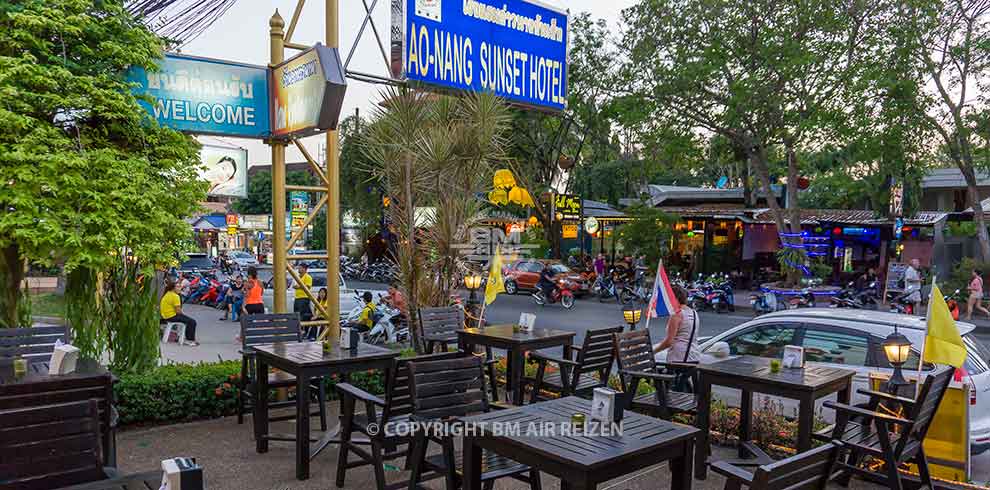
x: 31, y: 343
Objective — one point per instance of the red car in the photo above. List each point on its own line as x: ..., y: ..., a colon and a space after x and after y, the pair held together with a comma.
x: 525, y: 274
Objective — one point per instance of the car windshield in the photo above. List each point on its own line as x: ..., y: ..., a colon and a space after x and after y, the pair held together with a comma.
x: 242, y: 255
x: 197, y: 262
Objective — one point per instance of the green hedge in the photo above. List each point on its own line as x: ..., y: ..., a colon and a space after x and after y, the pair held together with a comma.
x: 184, y: 392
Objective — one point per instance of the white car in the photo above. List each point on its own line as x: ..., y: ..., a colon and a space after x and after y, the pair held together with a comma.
x: 243, y: 259
x: 346, y: 296
x: 853, y: 339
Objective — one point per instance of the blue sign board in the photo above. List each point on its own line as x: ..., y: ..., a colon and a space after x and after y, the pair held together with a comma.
x: 514, y: 48
x: 206, y: 96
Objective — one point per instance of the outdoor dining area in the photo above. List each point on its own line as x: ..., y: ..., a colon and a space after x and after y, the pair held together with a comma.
x: 599, y: 413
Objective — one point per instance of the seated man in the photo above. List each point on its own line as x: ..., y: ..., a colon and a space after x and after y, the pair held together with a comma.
x: 367, y: 318
x: 171, y: 311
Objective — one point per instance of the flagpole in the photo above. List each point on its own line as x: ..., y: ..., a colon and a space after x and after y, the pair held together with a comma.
x: 484, y: 301
x: 928, y: 320
x: 650, y: 311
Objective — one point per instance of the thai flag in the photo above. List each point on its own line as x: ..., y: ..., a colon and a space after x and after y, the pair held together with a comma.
x: 663, y: 303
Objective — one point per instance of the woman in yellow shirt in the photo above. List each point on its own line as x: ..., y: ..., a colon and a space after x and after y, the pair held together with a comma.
x: 171, y: 311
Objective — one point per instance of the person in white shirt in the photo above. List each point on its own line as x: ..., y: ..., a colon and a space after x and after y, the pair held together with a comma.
x: 912, y: 284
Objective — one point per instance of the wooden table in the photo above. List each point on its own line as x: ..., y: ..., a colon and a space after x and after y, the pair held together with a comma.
x: 580, y: 461
x: 151, y: 480
x: 305, y: 361
x: 752, y: 374
x: 37, y: 387
x: 516, y: 343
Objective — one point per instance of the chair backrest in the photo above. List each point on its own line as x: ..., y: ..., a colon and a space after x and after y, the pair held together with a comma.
x: 269, y: 328
x: 441, y: 322
x: 807, y: 470
x: 447, y: 388
x: 50, y: 446
x: 925, y: 406
x: 31, y: 343
x: 397, y: 399
x: 633, y: 352
x: 597, y: 353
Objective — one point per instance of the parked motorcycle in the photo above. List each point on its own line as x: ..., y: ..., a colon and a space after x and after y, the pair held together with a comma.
x: 901, y: 304
x: 560, y: 294
x: 806, y: 299
x: 605, y: 287
x: 765, y: 302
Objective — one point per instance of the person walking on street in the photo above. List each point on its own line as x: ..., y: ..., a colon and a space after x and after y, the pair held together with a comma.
x: 170, y: 309
x: 600, y: 265
x: 253, y: 303
x: 301, y: 304
x: 975, y: 296
x: 912, y: 285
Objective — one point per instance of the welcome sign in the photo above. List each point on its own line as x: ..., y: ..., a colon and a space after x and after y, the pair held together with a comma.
x: 514, y: 48
x: 206, y: 96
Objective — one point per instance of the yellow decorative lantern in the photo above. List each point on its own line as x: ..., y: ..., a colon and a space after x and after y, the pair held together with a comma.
x: 533, y: 221
x: 503, y: 179
x: 516, y: 195
x: 498, y: 196
x: 526, y: 200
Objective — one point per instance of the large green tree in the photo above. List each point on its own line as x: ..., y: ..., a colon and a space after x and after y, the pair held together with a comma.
x: 259, y: 193
x: 768, y: 76
x: 87, y: 175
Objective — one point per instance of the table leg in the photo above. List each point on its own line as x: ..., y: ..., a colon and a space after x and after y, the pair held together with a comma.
x: 806, y: 421
x: 260, y: 405
x: 302, y: 426
x: 472, y: 464
x: 702, y: 421
x: 845, y: 394
x: 681, y: 468
x: 516, y: 375
x: 745, y: 421
x: 576, y: 485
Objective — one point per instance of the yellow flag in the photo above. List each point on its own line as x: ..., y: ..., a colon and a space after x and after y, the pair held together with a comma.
x: 495, y: 283
x: 943, y: 345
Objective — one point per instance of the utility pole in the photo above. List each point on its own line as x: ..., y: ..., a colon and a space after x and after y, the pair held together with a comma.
x: 278, y: 179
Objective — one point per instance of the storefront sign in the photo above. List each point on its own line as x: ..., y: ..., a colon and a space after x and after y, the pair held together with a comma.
x: 225, y: 170
x: 567, y: 206
x: 514, y: 48
x: 206, y: 96
x: 591, y: 225
x: 256, y: 221
x: 569, y: 231
x: 307, y: 92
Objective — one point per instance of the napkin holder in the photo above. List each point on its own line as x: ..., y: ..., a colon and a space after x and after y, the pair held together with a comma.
x: 526, y: 321
x: 349, y: 338
x: 181, y: 474
x: 793, y: 357
x: 64, y: 359
x: 605, y: 407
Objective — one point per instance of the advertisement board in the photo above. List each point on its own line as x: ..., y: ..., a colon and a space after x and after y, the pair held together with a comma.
x: 567, y: 206
x: 307, y: 92
x: 225, y: 169
x: 206, y: 96
x: 514, y: 48
x: 299, y: 201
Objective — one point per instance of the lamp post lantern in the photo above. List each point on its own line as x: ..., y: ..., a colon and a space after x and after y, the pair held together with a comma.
x: 632, y: 315
x: 897, y: 348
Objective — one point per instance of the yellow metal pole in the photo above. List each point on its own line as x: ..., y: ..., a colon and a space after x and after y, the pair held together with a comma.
x: 278, y: 180
x: 333, y: 198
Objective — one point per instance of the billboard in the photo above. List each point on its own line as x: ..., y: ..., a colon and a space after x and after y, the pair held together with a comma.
x: 225, y: 169
x: 299, y: 206
x: 307, y: 92
x: 514, y: 48
x: 567, y: 206
x: 206, y: 96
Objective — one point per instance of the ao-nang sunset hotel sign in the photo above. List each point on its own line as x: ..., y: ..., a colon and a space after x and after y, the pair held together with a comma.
x: 514, y: 48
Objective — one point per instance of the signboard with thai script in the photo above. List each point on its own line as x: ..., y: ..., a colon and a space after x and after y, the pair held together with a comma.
x: 307, y: 92
x: 567, y: 206
x: 206, y: 96
x: 514, y: 48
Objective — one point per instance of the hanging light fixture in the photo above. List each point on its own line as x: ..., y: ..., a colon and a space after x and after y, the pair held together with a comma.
x: 503, y: 179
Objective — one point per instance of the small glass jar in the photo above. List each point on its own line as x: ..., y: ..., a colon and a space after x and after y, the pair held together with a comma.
x: 20, y: 366
x: 774, y: 365
x: 577, y: 420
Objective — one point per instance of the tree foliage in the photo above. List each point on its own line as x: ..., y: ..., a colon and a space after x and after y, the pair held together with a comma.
x: 87, y: 174
x: 647, y: 233
x: 259, y: 193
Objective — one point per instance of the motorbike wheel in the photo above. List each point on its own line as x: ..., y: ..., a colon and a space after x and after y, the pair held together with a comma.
x: 510, y: 287
x: 538, y: 297
x: 696, y: 304
x: 567, y: 301
x: 604, y: 295
x: 626, y: 296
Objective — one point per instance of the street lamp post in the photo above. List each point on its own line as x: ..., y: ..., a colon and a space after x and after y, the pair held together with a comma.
x: 472, y: 282
x: 631, y: 314
x: 896, y: 347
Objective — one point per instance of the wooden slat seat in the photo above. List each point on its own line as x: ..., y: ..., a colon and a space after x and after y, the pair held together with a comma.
x: 634, y: 356
x: 439, y: 326
x: 32, y: 343
x: 441, y: 392
x: 895, y: 440
x: 810, y: 470
x: 580, y: 374
x: 270, y: 329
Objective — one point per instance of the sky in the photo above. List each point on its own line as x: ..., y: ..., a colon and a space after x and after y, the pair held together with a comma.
x: 242, y: 35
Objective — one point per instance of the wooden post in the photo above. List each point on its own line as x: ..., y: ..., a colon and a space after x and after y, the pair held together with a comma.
x: 278, y: 180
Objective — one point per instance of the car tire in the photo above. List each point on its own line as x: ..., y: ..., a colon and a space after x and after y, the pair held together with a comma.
x: 510, y: 287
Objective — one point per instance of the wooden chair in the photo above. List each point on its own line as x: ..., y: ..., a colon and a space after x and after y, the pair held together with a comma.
x: 894, y: 440
x: 580, y: 376
x: 439, y: 326
x: 634, y: 356
x: 33, y: 344
x: 267, y: 329
x: 394, y: 408
x: 441, y: 391
x: 52, y: 446
x: 809, y: 470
